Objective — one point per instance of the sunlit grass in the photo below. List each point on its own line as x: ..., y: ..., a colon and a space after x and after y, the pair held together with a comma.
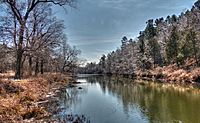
x: 18, y: 98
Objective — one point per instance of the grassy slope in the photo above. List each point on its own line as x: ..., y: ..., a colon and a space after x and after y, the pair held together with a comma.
x: 186, y: 74
x: 19, y: 98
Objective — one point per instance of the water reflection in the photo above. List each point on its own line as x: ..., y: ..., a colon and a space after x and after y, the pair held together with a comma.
x: 108, y: 99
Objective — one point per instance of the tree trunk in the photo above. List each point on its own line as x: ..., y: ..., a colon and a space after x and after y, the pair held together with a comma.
x: 19, y: 53
x: 22, y: 64
x: 30, y: 65
x: 37, y: 66
x: 41, y: 66
x: 18, y: 64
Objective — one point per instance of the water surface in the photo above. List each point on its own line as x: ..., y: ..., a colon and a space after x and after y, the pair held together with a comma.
x: 117, y: 100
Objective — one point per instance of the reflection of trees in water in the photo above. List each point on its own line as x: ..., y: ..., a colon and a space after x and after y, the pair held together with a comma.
x: 97, y: 79
x: 94, y: 79
x: 72, y: 96
x: 158, y: 104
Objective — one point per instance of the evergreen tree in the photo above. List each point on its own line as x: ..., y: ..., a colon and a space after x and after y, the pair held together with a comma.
x: 172, y: 47
x: 154, y: 47
x: 102, y: 64
x: 192, y: 46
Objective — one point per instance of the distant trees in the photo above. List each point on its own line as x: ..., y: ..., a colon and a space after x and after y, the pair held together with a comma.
x: 33, y: 33
x: 90, y: 68
x: 121, y: 61
x: 102, y: 64
x: 6, y: 58
x: 174, y: 40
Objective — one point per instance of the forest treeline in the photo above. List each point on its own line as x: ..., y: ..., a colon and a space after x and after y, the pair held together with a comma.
x: 33, y: 40
x: 174, y: 40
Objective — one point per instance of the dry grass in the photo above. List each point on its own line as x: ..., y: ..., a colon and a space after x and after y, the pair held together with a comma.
x: 18, y: 98
x: 172, y: 73
x: 6, y: 75
x: 188, y: 73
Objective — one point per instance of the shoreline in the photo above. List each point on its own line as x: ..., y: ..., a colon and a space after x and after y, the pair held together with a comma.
x: 148, y: 78
x: 181, y: 87
x: 37, y: 98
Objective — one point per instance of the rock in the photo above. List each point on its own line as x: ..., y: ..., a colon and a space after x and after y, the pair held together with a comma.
x: 80, y: 88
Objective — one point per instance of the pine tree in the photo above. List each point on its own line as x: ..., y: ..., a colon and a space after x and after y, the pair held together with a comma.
x: 192, y: 45
x: 153, y: 46
x: 172, y: 47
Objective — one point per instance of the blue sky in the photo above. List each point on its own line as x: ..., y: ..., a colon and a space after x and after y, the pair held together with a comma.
x: 97, y: 26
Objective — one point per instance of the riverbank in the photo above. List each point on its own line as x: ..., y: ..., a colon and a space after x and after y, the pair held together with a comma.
x: 185, y: 76
x: 28, y: 99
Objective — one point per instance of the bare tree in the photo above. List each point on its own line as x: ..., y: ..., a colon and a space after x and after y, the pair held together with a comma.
x: 43, y: 33
x: 21, y: 11
x: 67, y: 56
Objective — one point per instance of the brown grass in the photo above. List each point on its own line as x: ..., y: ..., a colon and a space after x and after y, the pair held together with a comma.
x: 172, y: 73
x: 18, y: 98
